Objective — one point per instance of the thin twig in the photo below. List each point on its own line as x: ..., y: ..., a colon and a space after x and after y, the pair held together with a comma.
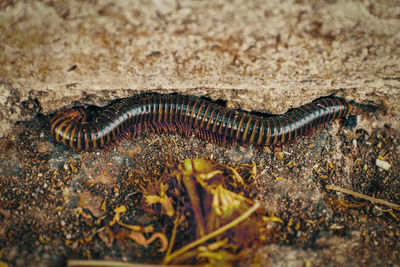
x: 103, y: 263
x: 371, y: 199
x: 172, y: 240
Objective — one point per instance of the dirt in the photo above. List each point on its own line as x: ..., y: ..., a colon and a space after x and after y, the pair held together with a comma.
x: 56, y: 203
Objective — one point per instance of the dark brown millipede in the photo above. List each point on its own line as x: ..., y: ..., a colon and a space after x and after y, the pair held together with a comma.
x: 92, y: 127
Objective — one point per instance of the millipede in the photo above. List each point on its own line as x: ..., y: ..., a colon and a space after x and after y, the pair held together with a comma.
x: 92, y: 127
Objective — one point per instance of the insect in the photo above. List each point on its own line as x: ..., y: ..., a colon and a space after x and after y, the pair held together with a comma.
x: 92, y: 127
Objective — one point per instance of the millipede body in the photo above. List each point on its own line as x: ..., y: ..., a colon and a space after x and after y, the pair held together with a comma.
x: 93, y: 127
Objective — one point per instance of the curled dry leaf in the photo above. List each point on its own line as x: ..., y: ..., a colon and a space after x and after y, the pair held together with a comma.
x: 92, y: 203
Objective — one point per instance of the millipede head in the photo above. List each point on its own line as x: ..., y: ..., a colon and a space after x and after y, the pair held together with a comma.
x: 63, y: 122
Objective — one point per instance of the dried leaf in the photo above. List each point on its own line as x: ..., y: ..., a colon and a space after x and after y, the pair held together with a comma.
x: 92, y: 203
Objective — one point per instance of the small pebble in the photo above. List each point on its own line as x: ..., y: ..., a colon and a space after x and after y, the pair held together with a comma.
x: 383, y: 164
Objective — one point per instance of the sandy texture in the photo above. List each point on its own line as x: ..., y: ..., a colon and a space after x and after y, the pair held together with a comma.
x: 262, y: 55
x: 257, y: 55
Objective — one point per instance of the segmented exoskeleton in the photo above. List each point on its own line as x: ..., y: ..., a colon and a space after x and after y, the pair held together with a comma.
x: 92, y: 127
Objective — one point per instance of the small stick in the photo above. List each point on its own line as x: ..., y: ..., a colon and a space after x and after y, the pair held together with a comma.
x: 371, y: 199
x: 103, y: 263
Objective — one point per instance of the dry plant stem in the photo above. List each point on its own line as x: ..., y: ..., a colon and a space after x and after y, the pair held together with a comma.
x: 371, y: 199
x: 219, y: 231
x: 195, y: 201
x: 101, y: 263
x: 172, y: 240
